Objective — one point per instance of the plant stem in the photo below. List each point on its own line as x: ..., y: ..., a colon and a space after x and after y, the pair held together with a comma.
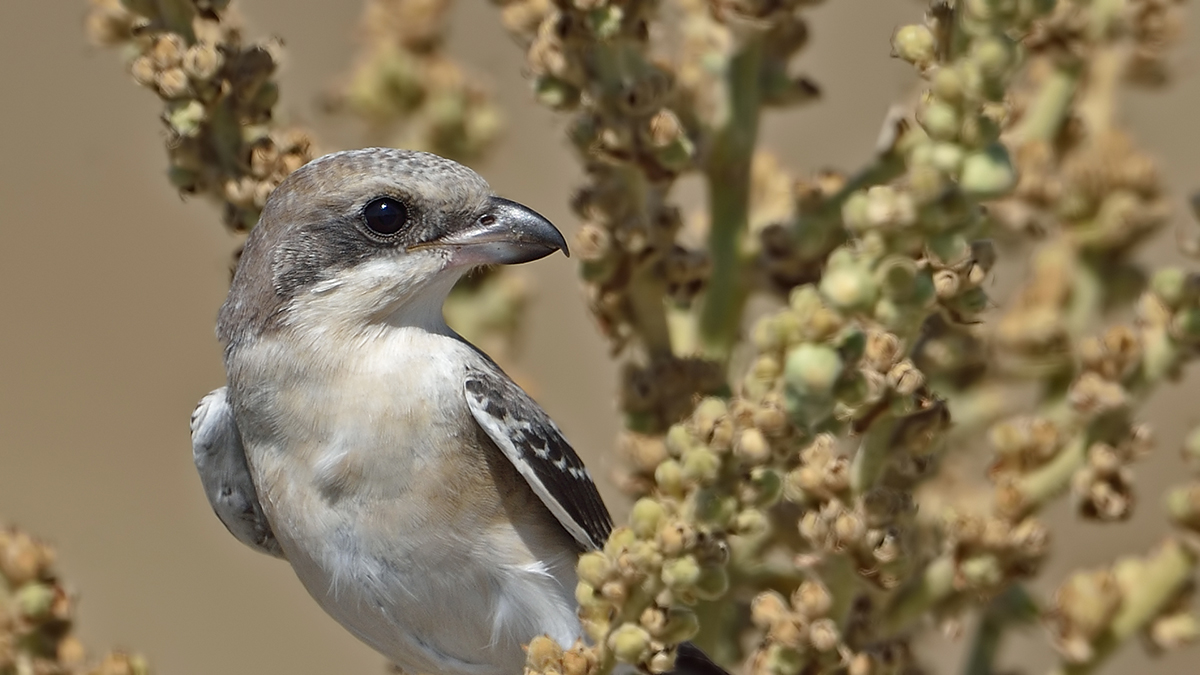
x: 177, y: 16
x: 934, y: 585
x: 1147, y: 586
x: 728, y: 175
x: 1013, y: 606
x: 1049, y: 109
x: 871, y: 458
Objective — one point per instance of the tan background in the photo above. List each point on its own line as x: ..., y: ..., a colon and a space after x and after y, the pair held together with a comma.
x: 109, y: 285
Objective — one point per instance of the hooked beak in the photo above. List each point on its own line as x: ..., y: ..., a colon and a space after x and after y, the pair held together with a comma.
x: 508, y: 233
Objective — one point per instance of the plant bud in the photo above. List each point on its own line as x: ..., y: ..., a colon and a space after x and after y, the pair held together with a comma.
x: 620, y: 540
x: 812, y: 599
x: 767, y: 609
x: 543, y: 654
x: 916, y: 44
x: 988, y: 173
x: 668, y: 476
x: 751, y: 523
x: 940, y: 120
x: 34, y: 601
x: 202, y: 61
x: 824, y: 635
x: 681, y: 573
x: 630, y: 643
x: 813, y: 370
x: 594, y: 568
x: 646, y: 517
x: 701, y: 466
x: 752, y: 447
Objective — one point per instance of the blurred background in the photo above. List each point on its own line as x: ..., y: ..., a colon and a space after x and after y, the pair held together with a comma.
x: 110, y: 284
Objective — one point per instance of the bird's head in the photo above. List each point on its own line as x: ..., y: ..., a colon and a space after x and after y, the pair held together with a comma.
x: 374, y: 237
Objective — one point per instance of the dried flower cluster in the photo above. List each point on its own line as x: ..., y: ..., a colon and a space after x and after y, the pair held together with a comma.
x: 801, y: 504
x: 403, y: 78
x: 218, y: 98
x: 36, y: 616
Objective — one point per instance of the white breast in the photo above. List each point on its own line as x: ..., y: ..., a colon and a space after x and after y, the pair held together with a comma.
x: 404, y: 524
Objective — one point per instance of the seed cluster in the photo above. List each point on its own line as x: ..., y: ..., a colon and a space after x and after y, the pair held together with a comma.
x: 37, y: 614
x: 218, y: 99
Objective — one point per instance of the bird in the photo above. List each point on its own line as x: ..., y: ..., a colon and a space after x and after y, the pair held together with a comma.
x: 423, y: 499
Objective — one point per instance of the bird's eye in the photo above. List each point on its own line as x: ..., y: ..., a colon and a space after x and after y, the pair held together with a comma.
x: 385, y: 216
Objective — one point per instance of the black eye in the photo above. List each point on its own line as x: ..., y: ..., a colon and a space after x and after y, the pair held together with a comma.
x: 385, y: 216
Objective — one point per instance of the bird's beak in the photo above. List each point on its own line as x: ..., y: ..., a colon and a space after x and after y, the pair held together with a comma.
x: 507, y: 233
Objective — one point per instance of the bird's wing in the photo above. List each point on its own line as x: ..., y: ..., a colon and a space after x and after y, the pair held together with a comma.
x: 536, y: 447
x: 221, y: 461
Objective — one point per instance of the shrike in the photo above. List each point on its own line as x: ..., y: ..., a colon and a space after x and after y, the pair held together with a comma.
x: 423, y: 499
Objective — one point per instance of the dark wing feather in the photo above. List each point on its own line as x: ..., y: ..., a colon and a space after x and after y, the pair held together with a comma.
x: 536, y: 447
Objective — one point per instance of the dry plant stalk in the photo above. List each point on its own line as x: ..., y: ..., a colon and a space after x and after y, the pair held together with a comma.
x: 779, y: 460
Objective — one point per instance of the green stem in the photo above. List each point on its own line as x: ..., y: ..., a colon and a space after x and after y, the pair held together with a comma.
x: 1033, y: 490
x: 1049, y: 109
x: 1147, y: 587
x: 646, y: 293
x: 177, y: 17
x: 728, y: 175
x: 872, y: 456
x: 933, y: 586
x: 818, y: 233
x: 1013, y: 606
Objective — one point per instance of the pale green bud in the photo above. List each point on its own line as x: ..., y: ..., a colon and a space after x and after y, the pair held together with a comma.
x: 669, y: 477
x: 186, y: 118
x: 681, y: 573
x: 948, y: 85
x: 701, y: 466
x: 813, y: 370
x: 620, y: 540
x: 848, y: 288
x: 751, y: 523
x: 646, y: 516
x: 34, y: 601
x: 855, y: 212
x: 982, y: 571
x: 988, y: 173
x: 994, y: 54
x: 630, y: 643
x: 950, y: 249
x: 679, y: 440
x: 915, y: 43
x: 940, y: 120
x: 947, y: 157
x: 1169, y: 284
x: 594, y: 568
x: 707, y: 413
x: 585, y: 593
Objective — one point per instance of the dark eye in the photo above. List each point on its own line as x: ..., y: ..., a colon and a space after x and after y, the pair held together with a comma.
x: 385, y: 216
